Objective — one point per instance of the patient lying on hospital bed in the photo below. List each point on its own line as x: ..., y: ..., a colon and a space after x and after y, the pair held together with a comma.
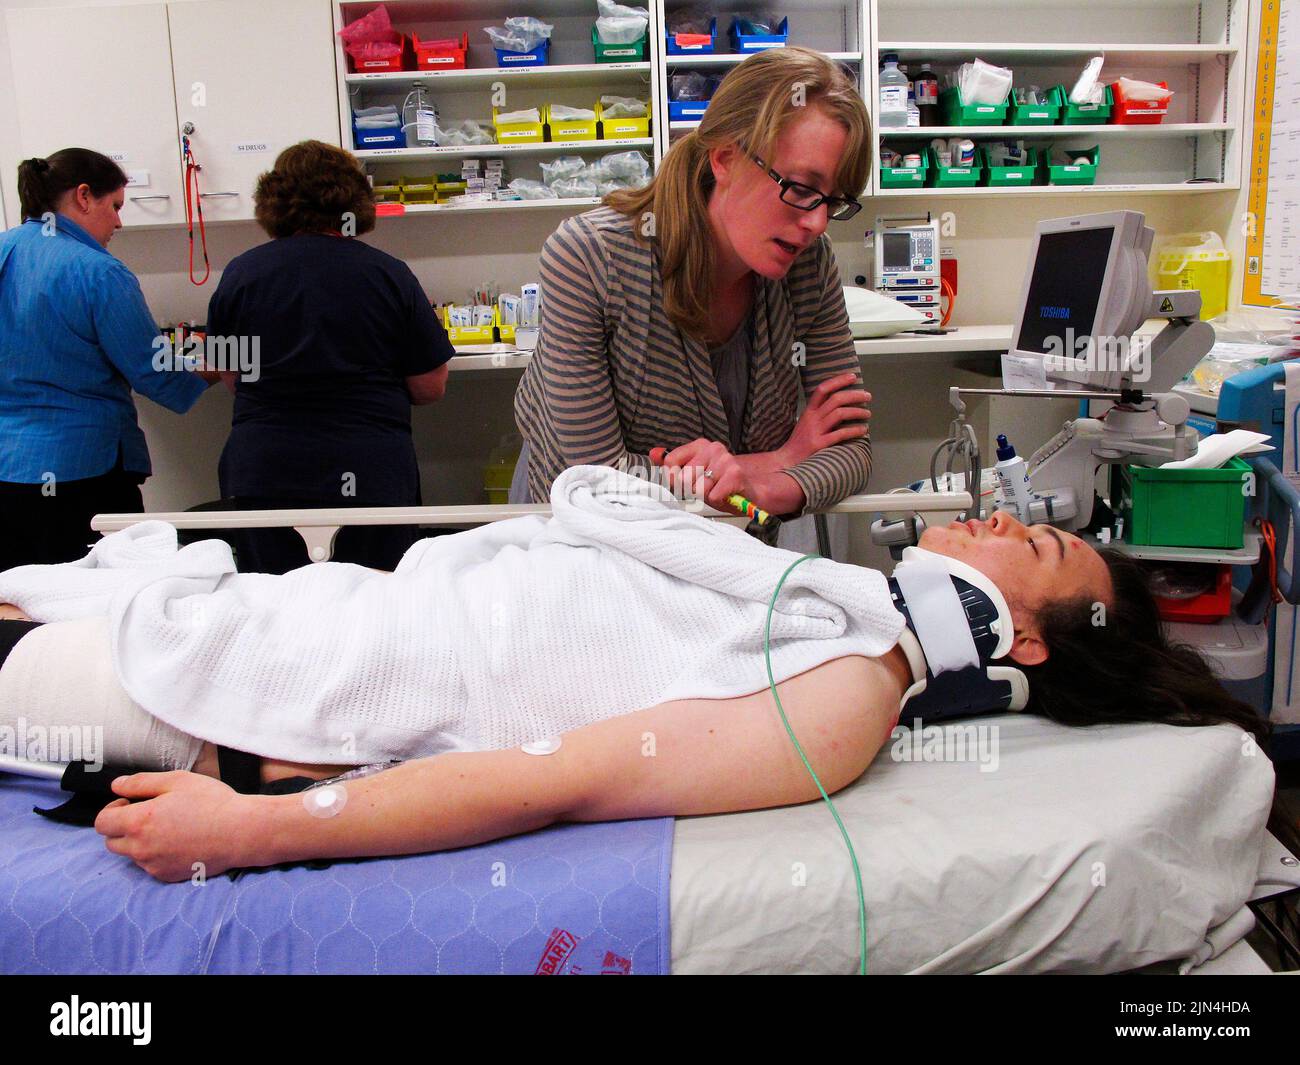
x: 608, y: 663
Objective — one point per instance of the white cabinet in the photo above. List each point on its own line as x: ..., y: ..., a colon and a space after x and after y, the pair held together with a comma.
x: 95, y: 97
x: 252, y: 78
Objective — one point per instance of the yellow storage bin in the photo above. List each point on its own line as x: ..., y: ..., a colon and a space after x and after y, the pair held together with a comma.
x: 621, y: 129
x: 478, y: 334
x: 1200, y: 261
x: 505, y: 332
x: 571, y: 129
x: 519, y: 132
x: 419, y: 190
x: 388, y: 193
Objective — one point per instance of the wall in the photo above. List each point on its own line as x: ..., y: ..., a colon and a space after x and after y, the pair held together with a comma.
x: 450, y: 254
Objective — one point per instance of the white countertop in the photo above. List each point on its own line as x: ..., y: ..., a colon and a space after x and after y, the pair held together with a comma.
x: 963, y: 338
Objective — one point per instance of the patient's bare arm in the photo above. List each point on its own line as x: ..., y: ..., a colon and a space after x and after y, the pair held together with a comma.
x: 696, y: 756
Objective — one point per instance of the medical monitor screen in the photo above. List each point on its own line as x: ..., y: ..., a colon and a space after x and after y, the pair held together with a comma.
x: 898, y: 251
x: 1064, y: 290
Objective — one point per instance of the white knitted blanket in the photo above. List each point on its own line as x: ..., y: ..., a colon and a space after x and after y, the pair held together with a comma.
x: 505, y: 634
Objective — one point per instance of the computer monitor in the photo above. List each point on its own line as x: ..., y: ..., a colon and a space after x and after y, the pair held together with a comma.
x: 1085, y: 294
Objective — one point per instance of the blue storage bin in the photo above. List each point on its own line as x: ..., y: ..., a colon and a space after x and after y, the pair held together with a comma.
x: 383, y: 137
x: 686, y: 110
x: 538, y: 57
x: 672, y: 47
x: 758, y: 42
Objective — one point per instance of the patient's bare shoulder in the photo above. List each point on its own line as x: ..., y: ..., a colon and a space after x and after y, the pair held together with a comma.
x: 9, y: 612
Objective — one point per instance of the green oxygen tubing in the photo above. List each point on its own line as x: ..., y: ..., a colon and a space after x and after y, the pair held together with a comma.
x: 853, y: 857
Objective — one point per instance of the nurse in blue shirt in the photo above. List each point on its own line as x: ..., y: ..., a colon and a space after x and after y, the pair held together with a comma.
x: 76, y: 337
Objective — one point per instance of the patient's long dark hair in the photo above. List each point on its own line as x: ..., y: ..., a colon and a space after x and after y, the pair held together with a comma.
x: 1119, y: 667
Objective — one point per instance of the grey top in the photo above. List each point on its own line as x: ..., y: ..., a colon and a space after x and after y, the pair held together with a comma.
x: 731, y: 370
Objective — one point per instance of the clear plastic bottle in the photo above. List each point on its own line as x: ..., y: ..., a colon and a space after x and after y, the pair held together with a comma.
x: 913, y: 112
x: 420, y: 118
x: 893, y: 94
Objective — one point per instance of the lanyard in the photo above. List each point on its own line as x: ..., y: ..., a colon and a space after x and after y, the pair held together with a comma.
x: 193, y: 206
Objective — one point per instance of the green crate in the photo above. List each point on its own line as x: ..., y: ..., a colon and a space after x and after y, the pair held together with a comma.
x: 1033, y: 114
x: 1082, y: 114
x: 905, y: 177
x: 952, y: 112
x: 1069, y: 174
x: 619, y: 53
x: 1006, y: 176
x: 1184, y: 508
x: 953, y: 177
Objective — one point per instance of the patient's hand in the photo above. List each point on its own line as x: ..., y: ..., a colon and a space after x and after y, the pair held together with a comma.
x: 9, y: 612
x: 189, y: 825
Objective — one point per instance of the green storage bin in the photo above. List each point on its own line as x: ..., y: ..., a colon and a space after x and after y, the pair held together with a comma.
x: 1184, y: 508
x: 952, y: 112
x: 1081, y: 174
x: 906, y: 177
x: 1033, y: 114
x: 953, y: 177
x: 619, y: 53
x: 1007, y: 176
x: 1082, y: 114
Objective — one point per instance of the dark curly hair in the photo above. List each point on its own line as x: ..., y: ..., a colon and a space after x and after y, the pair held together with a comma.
x: 1119, y: 666
x: 313, y: 188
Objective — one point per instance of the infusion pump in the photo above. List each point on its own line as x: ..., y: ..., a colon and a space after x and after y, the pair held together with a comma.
x: 907, y: 264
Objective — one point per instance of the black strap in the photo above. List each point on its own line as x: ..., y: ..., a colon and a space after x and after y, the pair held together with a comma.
x: 241, y: 770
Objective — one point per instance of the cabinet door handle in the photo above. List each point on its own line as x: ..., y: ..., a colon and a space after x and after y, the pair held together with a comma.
x: 213, y: 195
x: 141, y: 199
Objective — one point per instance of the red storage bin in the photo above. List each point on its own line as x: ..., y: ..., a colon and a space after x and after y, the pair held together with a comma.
x: 1138, y: 112
x: 362, y: 65
x: 1214, y: 605
x: 447, y: 54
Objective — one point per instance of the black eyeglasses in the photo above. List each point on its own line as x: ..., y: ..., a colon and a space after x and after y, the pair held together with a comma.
x: 807, y: 198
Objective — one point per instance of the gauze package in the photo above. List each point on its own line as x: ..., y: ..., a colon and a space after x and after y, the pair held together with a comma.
x: 983, y: 83
x: 1143, y: 91
x: 622, y: 107
x: 574, y: 186
x: 631, y: 166
x: 519, y: 34
x: 1089, y: 89
x: 465, y: 133
x: 510, y: 118
x: 563, y: 113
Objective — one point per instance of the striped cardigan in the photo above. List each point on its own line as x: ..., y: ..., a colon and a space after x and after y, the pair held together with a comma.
x: 612, y: 376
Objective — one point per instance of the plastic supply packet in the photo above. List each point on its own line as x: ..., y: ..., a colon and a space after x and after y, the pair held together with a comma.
x: 564, y: 166
x: 622, y: 107
x: 374, y: 50
x: 619, y: 24
x: 631, y: 166
x: 563, y: 113
x: 690, y: 21
x: 574, y: 186
x: 528, y: 189
x: 750, y: 24
x: 510, y: 118
x: 376, y: 26
x: 983, y: 83
x: 1143, y: 91
x: 521, y: 34
x: 1089, y: 89
x: 465, y: 133
x: 692, y: 86
x: 376, y: 117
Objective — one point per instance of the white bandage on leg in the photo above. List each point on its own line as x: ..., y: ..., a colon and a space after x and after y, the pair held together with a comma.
x: 59, y: 691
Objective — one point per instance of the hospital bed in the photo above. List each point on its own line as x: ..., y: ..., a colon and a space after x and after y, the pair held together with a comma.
x: 1109, y: 849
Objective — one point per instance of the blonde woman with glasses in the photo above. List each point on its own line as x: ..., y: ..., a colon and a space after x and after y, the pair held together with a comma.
x: 688, y: 318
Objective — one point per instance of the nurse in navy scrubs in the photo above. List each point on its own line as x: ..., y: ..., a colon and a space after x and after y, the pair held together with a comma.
x: 346, y: 343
